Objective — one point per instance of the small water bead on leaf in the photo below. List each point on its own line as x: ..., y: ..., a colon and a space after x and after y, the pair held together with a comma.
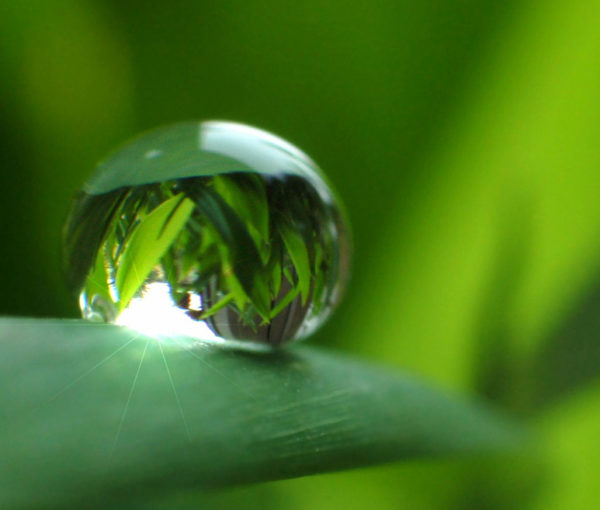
x: 213, y: 230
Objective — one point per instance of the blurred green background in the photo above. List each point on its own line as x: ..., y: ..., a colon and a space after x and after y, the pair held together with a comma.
x: 463, y: 137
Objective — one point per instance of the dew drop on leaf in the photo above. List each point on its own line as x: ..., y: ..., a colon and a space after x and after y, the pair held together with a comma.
x: 215, y: 231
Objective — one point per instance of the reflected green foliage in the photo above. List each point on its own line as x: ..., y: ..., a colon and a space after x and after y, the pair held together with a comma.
x: 146, y: 244
x: 462, y: 137
x: 252, y: 249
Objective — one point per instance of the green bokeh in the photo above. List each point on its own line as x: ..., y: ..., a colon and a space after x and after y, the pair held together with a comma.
x: 463, y: 138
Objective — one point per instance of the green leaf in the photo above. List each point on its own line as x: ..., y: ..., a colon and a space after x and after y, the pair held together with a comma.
x: 97, y: 281
x: 246, y: 196
x: 148, y: 242
x: 233, y: 284
x: 217, y: 306
x: 97, y: 409
x: 285, y: 300
x: 319, y: 281
x: 237, y: 246
x: 85, y: 229
x: 299, y: 255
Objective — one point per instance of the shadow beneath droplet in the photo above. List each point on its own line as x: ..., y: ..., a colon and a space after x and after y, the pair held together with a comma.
x: 271, y: 357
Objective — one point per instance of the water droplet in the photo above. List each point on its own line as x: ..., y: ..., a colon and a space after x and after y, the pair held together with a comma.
x: 213, y: 230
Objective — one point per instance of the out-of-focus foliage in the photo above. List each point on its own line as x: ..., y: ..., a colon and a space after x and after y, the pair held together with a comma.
x: 462, y: 137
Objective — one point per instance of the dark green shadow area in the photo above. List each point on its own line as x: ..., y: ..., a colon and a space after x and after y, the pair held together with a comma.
x: 74, y: 426
x: 570, y: 358
x: 496, y: 373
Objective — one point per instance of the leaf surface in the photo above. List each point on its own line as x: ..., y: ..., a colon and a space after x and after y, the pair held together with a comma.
x: 96, y: 410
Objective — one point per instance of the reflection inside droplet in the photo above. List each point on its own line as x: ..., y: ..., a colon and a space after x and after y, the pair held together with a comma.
x: 214, y: 231
x: 153, y: 313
